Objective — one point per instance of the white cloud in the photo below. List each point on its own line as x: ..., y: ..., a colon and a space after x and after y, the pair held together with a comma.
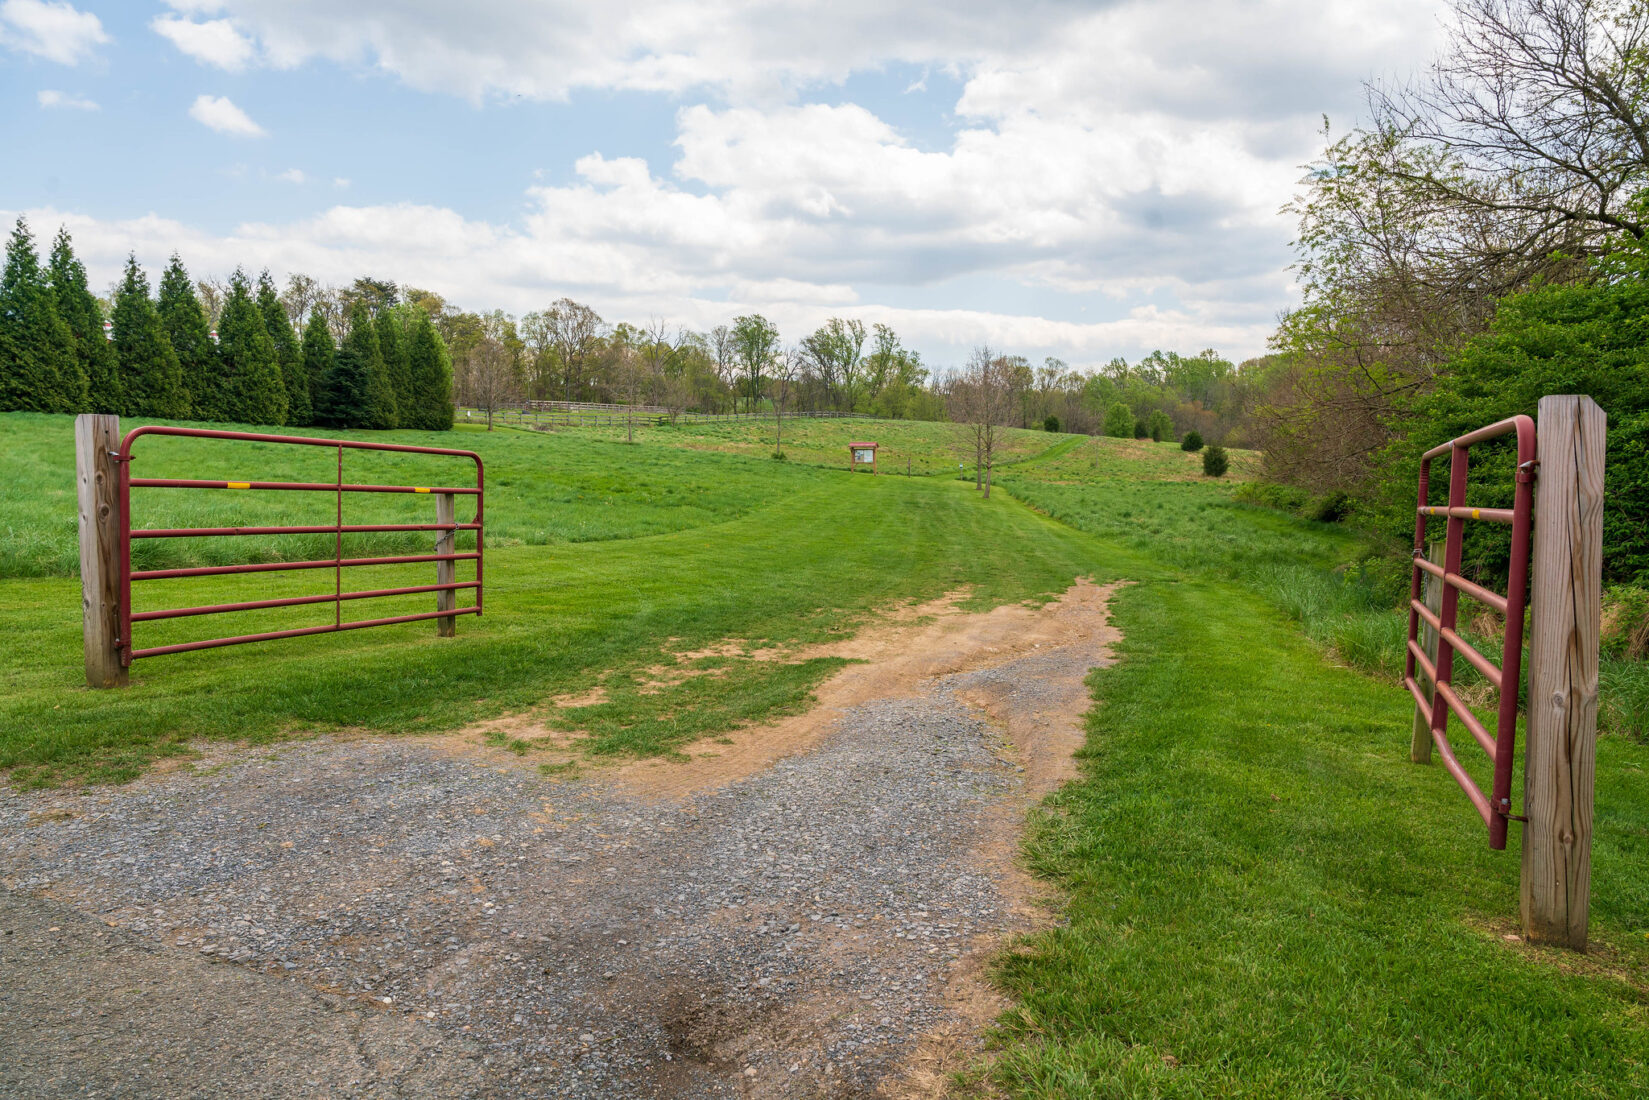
x: 214, y: 42
x: 340, y: 183
x: 52, y: 29
x: 1120, y: 160
x: 216, y: 112
x: 293, y: 175
x: 52, y: 99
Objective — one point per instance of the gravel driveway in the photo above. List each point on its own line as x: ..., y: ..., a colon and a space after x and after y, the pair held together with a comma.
x: 385, y: 918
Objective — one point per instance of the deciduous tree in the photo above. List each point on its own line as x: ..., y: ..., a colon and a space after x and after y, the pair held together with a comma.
x: 755, y: 342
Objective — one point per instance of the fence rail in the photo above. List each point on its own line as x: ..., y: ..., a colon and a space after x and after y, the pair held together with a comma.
x: 444, y: 558
x: 1495, y: 807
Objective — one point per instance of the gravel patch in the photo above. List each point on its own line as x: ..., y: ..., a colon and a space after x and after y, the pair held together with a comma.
x: 379, y: 918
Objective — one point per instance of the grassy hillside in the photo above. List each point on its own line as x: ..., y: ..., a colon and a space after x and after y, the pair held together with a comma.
x: 922, y: 447
x: 747, y: 547
x: 1262, y: 897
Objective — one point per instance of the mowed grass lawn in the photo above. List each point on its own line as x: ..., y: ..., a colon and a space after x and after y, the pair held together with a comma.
x: 753, y: 549
x: 921, y: 448
x: 1260, y: 896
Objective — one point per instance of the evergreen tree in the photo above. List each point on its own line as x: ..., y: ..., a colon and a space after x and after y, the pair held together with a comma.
x: 348, y: 386
x: 255, y: 392
x: 392, y: 346
x: 319, y: 357
x: 430, y: 372
x: 360, y: 357
x: 80, y: 311
x: 151, y: 381
x: 189, y: 331
x: 39, y: 369
x: 287, y: 352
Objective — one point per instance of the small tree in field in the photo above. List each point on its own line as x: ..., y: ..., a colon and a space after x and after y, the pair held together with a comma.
x: 1214, y: 462
x: 1192, y: 441
x: 1119, y: 421
x: 1159, y: 426
x: 1050, y: 423
x: 493, y: 380
x: 781, y: 379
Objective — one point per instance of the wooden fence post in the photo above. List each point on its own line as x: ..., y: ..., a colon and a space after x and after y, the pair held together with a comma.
x: 446, y: 572
x: 96, y: 439
x: 1560, y: 748
x: 1420, y: 745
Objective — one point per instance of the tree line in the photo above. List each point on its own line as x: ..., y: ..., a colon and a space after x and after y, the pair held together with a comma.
x: 567, y: 352
x: 376, y: 354
x: 234, y: 352
x: 1480, y: 243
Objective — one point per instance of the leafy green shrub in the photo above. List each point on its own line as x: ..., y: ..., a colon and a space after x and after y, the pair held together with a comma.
x: 1050, y: 424
x: 1331, y: 508
x: 1270, y: 494
x: 1159, y: 425
x: 1192, y: 441
x: 1626, y: 622
x: 1140, y: 430
x: 1119, y: 420
x: 1214, y: 462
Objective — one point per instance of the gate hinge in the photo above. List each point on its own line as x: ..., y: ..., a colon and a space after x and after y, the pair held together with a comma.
x: 1504, y: 809
x: 1526, y: 471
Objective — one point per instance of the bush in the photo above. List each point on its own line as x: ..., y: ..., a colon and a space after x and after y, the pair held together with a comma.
x: 1050, y: 424
x: 1331, y: 508
x: 1214, y: 462
x: 1140, y: 430
x: 1119, y: 420
x: 1626, y: 622
x: 1192, y: 441
x: 1160, y: 426
x: 1270, y: 494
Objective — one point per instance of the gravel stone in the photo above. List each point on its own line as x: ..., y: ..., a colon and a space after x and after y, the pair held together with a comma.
x: 378, y: 918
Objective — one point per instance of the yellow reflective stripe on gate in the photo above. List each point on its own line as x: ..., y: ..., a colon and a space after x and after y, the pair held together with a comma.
x: 419, y: 489
x: 1476, y: 514
x: 237, y: 484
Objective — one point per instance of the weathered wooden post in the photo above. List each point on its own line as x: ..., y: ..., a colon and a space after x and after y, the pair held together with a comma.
x: 1560, y: 747
x: 446, y: 572
x: 96, y: 442
x: 1420, y: 745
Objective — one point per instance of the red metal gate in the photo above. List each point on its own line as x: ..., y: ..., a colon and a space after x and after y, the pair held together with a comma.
x: 337, y: 563
x: 1496, y: 807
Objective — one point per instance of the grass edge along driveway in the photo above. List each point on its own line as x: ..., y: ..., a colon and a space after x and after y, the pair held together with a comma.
x: 1263, y: 898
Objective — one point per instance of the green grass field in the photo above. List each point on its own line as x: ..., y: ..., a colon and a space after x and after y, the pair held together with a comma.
x: 1261, y: 896
x: 919, y: 447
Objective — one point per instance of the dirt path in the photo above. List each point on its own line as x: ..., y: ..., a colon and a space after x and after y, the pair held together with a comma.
x: 802, y: 913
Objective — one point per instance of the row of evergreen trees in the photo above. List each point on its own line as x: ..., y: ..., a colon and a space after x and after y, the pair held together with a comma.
x: 391, y: 371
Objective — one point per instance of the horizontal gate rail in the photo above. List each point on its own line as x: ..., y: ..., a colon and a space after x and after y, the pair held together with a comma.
x: 444, y: 558
x: 1500, y: 744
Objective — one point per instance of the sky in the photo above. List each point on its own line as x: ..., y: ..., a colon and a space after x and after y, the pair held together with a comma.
x: 1049, y: 177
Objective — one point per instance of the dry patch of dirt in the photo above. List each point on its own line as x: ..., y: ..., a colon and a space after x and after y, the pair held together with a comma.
x: 900, y: 657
